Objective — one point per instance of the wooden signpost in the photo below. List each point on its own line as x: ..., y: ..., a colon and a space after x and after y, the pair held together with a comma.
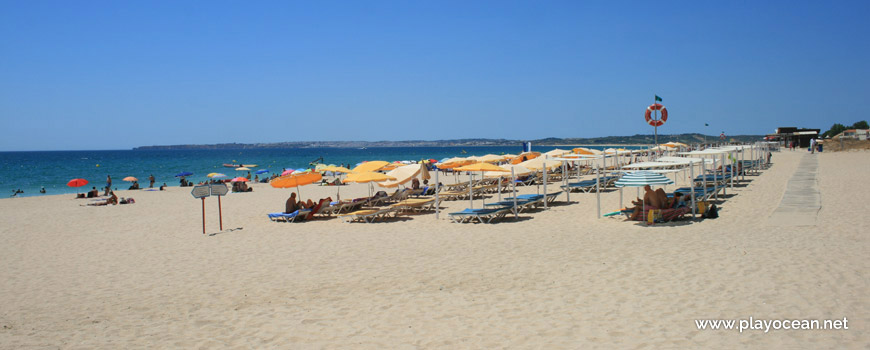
x: 203, y: 191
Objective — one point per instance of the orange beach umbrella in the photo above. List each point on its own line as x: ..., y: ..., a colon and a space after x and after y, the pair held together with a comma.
x: 294, y: 180
x: 130, y: 179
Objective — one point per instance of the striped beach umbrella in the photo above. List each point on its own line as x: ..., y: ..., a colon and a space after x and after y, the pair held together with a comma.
x: 643, y: 178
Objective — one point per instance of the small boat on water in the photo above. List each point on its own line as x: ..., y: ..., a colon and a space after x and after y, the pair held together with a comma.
x: 228, y: 165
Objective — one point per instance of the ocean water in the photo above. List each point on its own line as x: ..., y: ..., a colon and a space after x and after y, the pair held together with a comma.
x: 29, y: 171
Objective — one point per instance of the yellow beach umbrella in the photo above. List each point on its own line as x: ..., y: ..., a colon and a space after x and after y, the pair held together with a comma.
x: 455, y: 162
x: 368, y: 176
x: 557, y: 152
x: 539, y: 163
x: 401, y: 175
x: 334, y: 169
x: 374, y: 165
x: 481, y: 167
x: 519, y: 170
x: 491, y: 158
x: 243, y: 169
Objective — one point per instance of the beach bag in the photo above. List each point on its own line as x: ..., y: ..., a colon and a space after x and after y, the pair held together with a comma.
x: 712, y: 213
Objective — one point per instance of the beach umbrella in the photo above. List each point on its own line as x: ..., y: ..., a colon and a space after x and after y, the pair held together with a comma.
x: 481, y: 167
x: 335, y: 169
x: 295, y: 180
x: 454, y: 162
x: 367, y: 177
x: 262, y: 171
x: 525, y: 156
x: 183, y: 173
x: 401, y: 175
x: 243, y: 168
x: 519, y: 170
x: 239, y: 179
x: 491, y: 158
x: 130, y: 179
x: 287, y: 172
x: 77, y: 183
x: 586, y: 151
x: 641, y: 179
x: 538, y: 164
x: 216, y: 175
x: 556, y: 152
x: 370, y: 166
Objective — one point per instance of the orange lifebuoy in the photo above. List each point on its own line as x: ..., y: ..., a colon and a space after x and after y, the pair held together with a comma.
x: 656, y: 107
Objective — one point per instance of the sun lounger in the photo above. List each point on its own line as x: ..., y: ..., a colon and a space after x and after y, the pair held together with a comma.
x: 298, y: 215
x: 415, y: 204
x: 521, y: 204
x: 368, y: 215
x: 482, y: 215
x: 584, y: 186
x: 669, y: 214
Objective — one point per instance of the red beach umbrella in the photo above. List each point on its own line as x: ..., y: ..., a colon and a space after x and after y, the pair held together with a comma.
x: 239, y: 179
x: 287, y: 172
x: 77, y: 182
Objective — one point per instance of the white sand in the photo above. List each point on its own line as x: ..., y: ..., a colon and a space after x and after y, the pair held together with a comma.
x: 144, y: 275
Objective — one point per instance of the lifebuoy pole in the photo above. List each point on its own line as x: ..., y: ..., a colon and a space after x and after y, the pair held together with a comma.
x: 656, y: 127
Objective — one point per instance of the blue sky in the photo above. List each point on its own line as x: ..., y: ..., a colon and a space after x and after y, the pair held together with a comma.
x: 115, y: 75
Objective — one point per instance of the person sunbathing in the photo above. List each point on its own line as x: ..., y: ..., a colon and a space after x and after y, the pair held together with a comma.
x: 291, y: 205
x: 657, y: 199
x: 111, y: 200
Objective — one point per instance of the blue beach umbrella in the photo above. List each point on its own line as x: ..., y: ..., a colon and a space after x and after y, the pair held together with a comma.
x: 262, y: 171
x: 183, y: 173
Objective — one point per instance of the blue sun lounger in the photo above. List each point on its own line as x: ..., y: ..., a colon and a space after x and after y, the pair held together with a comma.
x: 484, y: 216
x: 521, y: 204
x: 291, y: 217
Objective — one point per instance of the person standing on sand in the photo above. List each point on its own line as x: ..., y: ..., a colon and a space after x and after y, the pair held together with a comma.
x: 151, y: 178
x: 108, y: 181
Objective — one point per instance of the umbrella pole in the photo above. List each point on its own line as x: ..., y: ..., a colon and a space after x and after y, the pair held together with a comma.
x: 514, y: 184
x: 545, y: 182
x: 482, y: 198
x: 437, y: 189
x: 499, y: 188
x: 470, y: 193
x: 598, y: 188
x: 565, y: 179
x: 692, y: 187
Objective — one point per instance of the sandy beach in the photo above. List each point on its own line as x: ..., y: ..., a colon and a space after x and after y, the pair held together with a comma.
x: 144, y: 276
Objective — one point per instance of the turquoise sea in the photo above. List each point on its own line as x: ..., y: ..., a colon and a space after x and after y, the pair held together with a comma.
x: 29, y: 171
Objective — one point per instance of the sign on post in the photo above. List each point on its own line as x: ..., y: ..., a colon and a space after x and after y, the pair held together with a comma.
x: 203, y: 191
x: 219, y: 189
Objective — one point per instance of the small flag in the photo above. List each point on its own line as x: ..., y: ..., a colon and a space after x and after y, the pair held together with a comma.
x: 658, y: 99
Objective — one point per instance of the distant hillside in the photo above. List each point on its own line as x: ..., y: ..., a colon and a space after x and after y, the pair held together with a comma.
x: 551, y: 141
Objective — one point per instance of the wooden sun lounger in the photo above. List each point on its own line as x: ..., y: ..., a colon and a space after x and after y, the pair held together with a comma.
x: 415, y: 204
x: 368, y: 215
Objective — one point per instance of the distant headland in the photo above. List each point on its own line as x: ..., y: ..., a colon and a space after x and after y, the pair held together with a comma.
x: 550, y: 141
